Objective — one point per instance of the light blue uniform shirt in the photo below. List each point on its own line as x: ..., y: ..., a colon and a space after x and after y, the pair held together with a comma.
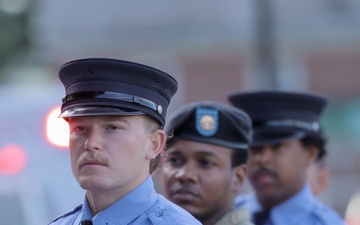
x: 140, y: 206
x: 301, y: 209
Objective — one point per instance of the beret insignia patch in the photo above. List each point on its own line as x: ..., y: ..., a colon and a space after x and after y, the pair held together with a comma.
x: 207, y: 121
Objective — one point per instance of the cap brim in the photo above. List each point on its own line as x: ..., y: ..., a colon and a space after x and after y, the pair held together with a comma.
x: 97, y: 111
x: 213, y: 141
x: 273, y: 137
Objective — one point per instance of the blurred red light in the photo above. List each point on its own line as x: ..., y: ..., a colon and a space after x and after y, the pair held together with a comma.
x: 12, y: 159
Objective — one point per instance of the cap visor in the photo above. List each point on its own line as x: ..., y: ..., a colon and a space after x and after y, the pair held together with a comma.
x: 98, y: 111
x: 261, y: 138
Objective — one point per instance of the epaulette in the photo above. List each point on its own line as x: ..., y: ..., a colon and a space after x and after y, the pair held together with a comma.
x: 326, y: 215
x: 77, y: 208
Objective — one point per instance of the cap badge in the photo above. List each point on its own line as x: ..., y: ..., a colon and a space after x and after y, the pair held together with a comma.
x: 159, y: 109
x: 207, y: 121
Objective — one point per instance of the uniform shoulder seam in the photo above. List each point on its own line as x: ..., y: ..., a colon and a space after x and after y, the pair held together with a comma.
x: 66, y: 214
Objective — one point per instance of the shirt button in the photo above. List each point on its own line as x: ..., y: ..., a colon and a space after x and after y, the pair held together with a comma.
x: 158, y: 212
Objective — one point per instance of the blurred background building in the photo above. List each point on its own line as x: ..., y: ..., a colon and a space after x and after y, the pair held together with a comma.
x: 213, y: 48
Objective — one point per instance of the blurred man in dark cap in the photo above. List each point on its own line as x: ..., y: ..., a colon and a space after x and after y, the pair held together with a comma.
x: 287, y: 139
x: 205, y: 164
x: 116, y: 110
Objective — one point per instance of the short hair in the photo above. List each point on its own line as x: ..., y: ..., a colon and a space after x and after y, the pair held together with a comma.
x: 152, y: 125
x: 317, y: 140
x: 239, y: 157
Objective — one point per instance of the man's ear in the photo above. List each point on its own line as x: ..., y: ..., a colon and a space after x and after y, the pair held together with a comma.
x: 239, y: 177
x: 157, y: 144
x: 312, y: 153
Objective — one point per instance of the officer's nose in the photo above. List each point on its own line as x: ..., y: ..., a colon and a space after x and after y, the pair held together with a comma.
x: 93, y: 140
x: 263, y: 154
x: 187, y: 173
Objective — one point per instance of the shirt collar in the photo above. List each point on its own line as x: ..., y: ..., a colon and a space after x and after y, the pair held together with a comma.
x: 301, y: 203
x: 127, y: 208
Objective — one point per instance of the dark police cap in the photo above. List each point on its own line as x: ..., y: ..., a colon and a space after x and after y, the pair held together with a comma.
x: 212, y: 123
x: 100, y: 86
x: 278, y: 116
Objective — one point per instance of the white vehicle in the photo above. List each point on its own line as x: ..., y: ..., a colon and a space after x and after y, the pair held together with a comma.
x: 36, y: 182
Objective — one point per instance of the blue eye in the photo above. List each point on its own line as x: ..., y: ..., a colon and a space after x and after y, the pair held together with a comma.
x: 111, y: 127
x: 78, y: 129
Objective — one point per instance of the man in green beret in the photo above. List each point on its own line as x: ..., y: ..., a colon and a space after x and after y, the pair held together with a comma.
x: 204, y: 168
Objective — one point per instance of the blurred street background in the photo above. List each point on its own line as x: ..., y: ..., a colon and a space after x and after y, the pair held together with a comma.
x: 213, y: 48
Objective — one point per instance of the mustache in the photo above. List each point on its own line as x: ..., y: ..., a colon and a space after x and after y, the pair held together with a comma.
x: 92, y: 158
x: 187, y: 190
x: 264, y: 170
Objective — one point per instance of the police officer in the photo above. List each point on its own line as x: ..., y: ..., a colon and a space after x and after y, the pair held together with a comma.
x: 287, y: 139
x: 205, y: 164
x: 116, y: 110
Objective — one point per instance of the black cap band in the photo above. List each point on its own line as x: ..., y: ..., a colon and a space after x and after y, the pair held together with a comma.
x: 113, y: 96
